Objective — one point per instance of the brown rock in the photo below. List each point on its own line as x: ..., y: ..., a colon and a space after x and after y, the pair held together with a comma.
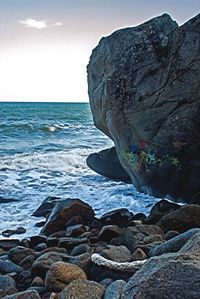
x: 38, y: 282
x: 82, y: 289
x: 181, y: 220
x: 44, y: 262
x: 17, y: 254
x: 61, y: 274
x: 64, y: 211
x: 138, y: 255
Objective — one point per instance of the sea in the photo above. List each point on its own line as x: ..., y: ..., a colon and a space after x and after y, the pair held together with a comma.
x: 43, y: 151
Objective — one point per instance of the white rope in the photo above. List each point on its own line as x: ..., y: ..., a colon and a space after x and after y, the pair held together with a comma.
x: 124, y: 266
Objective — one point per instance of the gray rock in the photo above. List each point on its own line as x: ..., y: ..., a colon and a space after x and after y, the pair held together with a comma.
x: 106, y: 163
x: 114, y: 290
x: 32, y: 294
x: 7, y: 267
x: 7, y: 244
x: 167, y: 276
x: 174, y: 244
x: 116, y: 253
x: 144, y: 94
x: 80, y: 249
x: 7, y: 285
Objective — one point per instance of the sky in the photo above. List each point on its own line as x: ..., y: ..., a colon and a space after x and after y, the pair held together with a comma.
x: 45, y: 45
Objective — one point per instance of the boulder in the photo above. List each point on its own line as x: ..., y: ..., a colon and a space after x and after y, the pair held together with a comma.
x: 174, y: 244
x: 27, y: 262
x: 146, y: 233
x: 80, y: 249
x: 43, y: 263
x: 160, y: 209
x: 24, y: 280
x: 126, y: 239
x: 7, y: 244
x: 17, y: 254
x: 83, y: 261
x: 117, y: 217
x: 75, y: 230
x: 46, y: 207
x: 165, y: 277
x: 7, y: 285
x: 32, y: 294
x: 117, y: 253
x: 82, y: 289
x: 138, y: 255
x: 7, y: 267
x: 181, y: 220
x: 9, y: 232
x: 65, y: 210
x: 106, y: 163
x: 143, y: 87
x: 109, y: 232
x: 114, y: 290
x: 61, y: 274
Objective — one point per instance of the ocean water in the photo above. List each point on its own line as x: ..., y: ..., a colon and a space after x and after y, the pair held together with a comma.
x: 43, y: 148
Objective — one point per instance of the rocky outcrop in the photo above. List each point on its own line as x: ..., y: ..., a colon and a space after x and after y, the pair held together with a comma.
x: 144, y: 90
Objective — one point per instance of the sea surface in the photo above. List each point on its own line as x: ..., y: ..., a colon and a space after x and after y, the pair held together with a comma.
x: 43, y: 150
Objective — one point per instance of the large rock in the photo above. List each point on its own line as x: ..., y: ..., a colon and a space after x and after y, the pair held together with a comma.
x: 181, y: 220
x: 17, y: 254
x: 64, y: 211
x: 144, y: 94
x: 43, y: 263
x: 61, y: 274
x: 7, y: 285
x: 170, y: 275
x: 82, y: 289
x: 165, y: 277
x: 106, y: 163
x: 160, y: 209
x: 46, y: 207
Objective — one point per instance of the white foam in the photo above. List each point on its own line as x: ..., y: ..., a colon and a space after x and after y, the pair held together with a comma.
x: 33, y: 177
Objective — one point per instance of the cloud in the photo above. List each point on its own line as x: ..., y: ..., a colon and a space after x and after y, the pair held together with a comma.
x: 38, y: 24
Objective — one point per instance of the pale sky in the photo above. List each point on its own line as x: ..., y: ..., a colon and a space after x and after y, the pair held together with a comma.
x: 45, y: 45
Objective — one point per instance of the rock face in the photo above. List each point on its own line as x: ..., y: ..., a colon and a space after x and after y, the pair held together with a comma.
x: 144, y: 87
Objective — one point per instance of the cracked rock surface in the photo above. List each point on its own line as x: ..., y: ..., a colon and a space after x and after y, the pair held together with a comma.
x: 144, y: 90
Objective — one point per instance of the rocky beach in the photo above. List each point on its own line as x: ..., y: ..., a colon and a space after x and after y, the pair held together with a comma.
x: 119, y: 255
x: 144, y: 91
